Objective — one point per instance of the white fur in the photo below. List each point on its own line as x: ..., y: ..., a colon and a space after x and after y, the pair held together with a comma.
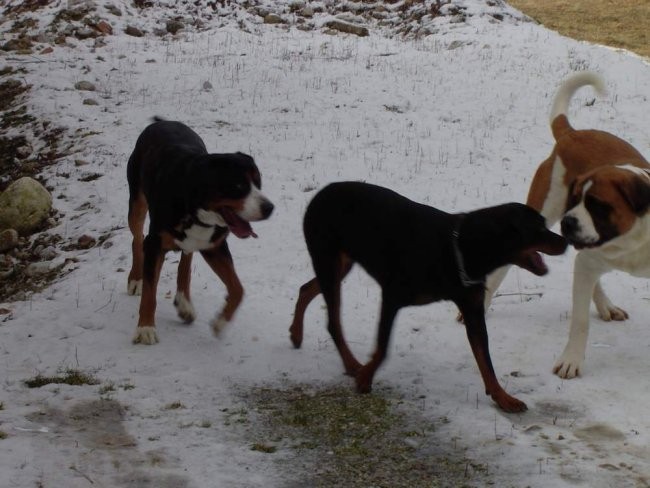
x: 145, y: 335
x: 557, y: 194
x: 629, y: 252
x: 252, y: 209
x: 572, y: 85
x: 636, y: 170
x: 184, y: 308
x: 586, y: 232
x: 198, y: 237
x: 134, y: 287
x: 218, y: 324
x: 211, y: 218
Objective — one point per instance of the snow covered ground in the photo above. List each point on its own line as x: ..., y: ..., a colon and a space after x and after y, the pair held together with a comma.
x: 457, y: 120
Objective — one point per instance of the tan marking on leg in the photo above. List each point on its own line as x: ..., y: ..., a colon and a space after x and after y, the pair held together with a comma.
x: 221, y: 263
x: 146, y: 330
x: 308, y: 292
x: 182, y: 300
x: 137, y: 214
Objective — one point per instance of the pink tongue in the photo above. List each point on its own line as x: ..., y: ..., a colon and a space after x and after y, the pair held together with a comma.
x: 538, y: 261
x: 236, y: 224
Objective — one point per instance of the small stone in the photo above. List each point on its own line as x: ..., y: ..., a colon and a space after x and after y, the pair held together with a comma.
x: 133, y: 31
x: 207, y: 86
x: 348, y: 28
x: 90, y: 101
x: 86, y: 242
x: 307, y: 12
x: 85, y: 86
x: 8, y: 239
x: 23, y: 152
x: 104, y: 27
x: 80, y: 162
x: 272, y: 19
x: 114, y: 10
x: 85, y: 33
x: 173, y: 26
x: 47, y: 50
x: 48, y: 253
x: 39, y: 268
x: 7, y: 266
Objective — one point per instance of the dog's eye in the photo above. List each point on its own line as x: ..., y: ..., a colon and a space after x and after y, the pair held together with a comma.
x: 597, y: 208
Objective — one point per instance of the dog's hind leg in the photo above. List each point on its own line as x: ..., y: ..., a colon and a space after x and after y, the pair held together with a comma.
x: 606, y: 309
x: 330, y: 271
x: 366, y: 374
x: 220, y: 260
x: 182, y: 300
x: 137, y: 215
x: 308, y: 292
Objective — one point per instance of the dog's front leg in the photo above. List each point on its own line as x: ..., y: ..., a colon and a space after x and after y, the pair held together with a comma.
x: 154, y: 256
x: 366, y: 373
x: 182, y: 300
x: 220, y: 260
x: 474, y: 315
x: 586, y: 273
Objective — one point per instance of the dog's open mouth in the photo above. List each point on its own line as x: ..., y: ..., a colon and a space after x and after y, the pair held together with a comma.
x: 533, y: 262
x: 238, y: 226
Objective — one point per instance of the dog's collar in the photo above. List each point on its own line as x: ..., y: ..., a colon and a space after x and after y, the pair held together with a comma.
x: 465, y: 280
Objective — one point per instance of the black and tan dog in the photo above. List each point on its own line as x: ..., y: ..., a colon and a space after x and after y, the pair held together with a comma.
x: 194, y: 200
x: 418, y: 255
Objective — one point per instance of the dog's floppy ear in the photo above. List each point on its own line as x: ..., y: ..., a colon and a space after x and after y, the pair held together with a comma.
x: 636, y: 192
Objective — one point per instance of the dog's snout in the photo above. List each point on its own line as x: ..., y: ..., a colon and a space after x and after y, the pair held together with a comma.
x: 267, y: 208
x: 569, y: 225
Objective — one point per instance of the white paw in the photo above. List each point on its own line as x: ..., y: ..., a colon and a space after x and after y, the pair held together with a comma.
x: 569, y: 365
x: 218, y: 324
x: 184, y: 308
x: 134, y: 287
x: 612, y: 312
x: 145, y: 335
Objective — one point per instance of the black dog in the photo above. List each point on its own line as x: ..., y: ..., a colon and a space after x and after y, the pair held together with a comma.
x: 194, y: 199
x: 418, y: 255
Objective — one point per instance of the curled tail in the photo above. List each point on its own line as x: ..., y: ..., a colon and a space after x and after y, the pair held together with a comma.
x: 559, y: 121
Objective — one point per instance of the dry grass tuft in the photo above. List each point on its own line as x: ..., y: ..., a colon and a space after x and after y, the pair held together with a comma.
x: 617, y: 23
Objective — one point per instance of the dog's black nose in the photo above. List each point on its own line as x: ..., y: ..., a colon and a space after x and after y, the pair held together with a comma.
x: 569, y: 225
x: 267, y: 208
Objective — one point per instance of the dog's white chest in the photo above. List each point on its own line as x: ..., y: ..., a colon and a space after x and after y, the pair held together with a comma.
x: 199, y: 236
x: 631, y: 251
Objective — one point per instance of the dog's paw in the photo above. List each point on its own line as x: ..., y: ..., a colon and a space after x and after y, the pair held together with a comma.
x: 569, y: 365
x: 145, y: 335
x: 218, y: 324
x: 184, y: 308
x: 509, y: 403
x: 612, y: 312
x: 134, y: 287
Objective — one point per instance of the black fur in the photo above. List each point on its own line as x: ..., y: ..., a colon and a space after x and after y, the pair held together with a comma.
x: 416, y: 253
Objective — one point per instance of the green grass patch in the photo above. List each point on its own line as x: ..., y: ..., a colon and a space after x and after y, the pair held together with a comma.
x: 347, y: 440
x: 70, y: 376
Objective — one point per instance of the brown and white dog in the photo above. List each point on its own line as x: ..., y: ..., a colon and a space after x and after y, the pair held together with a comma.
x: 599, y: 186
